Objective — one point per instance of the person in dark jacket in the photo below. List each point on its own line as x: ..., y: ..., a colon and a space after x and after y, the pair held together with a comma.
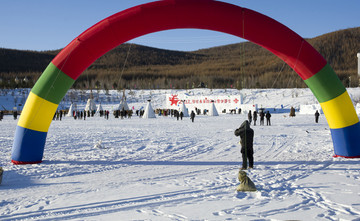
x: 317, y: 116
x: 177, y: 114
x: 255, y: 117
x: 246, y: 139
x: 15, y: 114
x: 192, y: 116
x: 250, y: 116
x: 292, y: 112
x: 262, y: 117
x: 268, y: 116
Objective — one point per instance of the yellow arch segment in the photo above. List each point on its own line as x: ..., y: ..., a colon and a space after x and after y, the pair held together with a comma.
x: 340, y: 112
x: 37, y: 113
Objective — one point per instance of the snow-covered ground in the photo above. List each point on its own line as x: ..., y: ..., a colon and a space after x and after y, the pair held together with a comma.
x: 164, y: 169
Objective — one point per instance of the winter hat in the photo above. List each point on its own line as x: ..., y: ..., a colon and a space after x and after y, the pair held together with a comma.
x: 245, y: 123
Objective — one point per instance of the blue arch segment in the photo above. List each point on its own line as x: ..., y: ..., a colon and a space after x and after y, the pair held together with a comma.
x: 345, y: 139
x: 28, y: 146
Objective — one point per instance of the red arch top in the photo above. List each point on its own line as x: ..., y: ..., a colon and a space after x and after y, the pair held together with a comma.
x: 200, y: 14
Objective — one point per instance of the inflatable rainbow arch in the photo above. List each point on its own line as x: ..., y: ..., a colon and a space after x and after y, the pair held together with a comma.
x: 65, y: 68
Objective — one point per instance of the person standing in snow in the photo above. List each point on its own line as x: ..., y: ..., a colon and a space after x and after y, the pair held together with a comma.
x: 107, y: 115
x: 246, y: 139
x: 181, y: 115
x: 249, y: 116
x: 15, y: 114
x: 292, y: 112
x: 317, y: 116
x: 268, y: 116
x: 255, y: 117
x: 262, y: 117
x: 1, y: 174
x: 192, y: 116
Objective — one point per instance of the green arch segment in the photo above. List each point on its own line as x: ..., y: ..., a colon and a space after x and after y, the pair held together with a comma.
x: 325, y: 84
x: 53, y: 84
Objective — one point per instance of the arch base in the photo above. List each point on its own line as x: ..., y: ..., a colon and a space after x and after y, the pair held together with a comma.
x: 336, y: 156
x: 346, y: 141
x: 28, y: 147
x: 22, y: 163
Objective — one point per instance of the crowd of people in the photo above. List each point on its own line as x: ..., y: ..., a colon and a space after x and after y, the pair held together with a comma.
x: 79, y: 115
x: 82, y: 115
x: 252, y: 117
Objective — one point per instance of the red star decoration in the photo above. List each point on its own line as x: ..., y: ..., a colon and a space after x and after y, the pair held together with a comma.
x: 174, y: 100
x: 236, y: 100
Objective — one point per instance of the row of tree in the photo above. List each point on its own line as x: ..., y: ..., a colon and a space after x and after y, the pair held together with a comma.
x: 243, y: 65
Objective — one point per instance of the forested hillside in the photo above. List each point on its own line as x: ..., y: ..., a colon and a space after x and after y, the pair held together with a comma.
x: 243, y: 65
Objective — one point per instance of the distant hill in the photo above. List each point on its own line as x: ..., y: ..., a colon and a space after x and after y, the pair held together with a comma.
x: 242, y: 65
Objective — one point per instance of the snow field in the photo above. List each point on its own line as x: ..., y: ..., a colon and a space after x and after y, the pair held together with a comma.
x: 164, y: 169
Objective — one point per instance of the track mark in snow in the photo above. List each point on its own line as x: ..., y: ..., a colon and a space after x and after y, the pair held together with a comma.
x: 273, y: 146
x: 113, y: 206
x: 332, y: 209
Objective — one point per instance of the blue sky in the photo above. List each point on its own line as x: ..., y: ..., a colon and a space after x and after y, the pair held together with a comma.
x: 47, y: 25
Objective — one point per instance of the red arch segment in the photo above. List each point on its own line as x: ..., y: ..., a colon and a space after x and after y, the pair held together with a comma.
x: 201, y: 14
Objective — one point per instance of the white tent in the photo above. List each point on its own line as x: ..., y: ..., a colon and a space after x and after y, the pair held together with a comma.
x: 122, y: 104
x: 149, y: 111
x: 212, y: 110
x: 90, y: 105
x: 73, y: 107
x: 100, y: 108
x: 184, y: 110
